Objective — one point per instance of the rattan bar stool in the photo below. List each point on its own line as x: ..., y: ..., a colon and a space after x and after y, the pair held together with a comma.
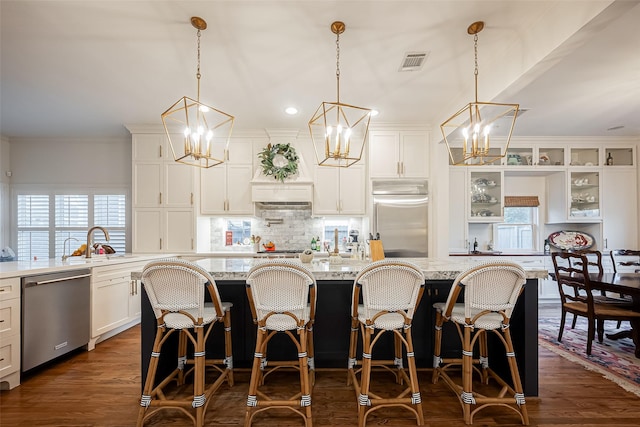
x: 282, y: 297
x: 490, y: 294
x: 176, y: 290
x: 391, y: 290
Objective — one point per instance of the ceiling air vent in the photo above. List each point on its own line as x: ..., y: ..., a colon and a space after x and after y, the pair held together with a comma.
x: 521, y: 111
x: 413, y: 61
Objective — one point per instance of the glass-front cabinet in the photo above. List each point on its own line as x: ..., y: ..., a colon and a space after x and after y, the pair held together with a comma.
x: 585, y: 195
x: 619, y: 156
x: 531, y: 155
x: 585, y: 156
x: 486, y: 195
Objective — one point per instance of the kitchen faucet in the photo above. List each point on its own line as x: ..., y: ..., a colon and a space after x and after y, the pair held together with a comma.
x: 87, y: 253
x: 64, y: 248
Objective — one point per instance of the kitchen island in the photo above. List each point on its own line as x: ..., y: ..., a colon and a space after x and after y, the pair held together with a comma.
x: 333, y: 323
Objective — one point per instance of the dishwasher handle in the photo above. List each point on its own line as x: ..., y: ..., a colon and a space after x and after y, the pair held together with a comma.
x: 61, y: 279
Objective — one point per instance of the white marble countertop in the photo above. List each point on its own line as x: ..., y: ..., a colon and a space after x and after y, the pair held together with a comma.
x: 51, y: 265
x: 433, y: 269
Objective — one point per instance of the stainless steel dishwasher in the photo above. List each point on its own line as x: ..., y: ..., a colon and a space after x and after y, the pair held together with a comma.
x: 55, y: 315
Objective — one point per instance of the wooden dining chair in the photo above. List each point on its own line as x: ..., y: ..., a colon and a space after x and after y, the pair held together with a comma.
x: 577, y: 297
x: 616, y: 254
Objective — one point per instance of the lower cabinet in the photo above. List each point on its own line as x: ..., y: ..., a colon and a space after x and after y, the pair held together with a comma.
x: 115, y: 299
x: 9, y: 333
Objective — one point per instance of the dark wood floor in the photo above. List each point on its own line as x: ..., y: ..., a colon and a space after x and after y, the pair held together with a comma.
x: 101, y: 388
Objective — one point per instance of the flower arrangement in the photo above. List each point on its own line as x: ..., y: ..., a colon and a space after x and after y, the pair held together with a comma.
x: 279, y: 161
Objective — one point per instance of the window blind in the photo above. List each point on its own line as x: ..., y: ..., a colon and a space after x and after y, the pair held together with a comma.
x: 521, y: 201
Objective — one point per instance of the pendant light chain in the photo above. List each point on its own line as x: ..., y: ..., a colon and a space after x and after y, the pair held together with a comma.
x: 198, y: 75
x: 338, y: 64
x: 475, y: 52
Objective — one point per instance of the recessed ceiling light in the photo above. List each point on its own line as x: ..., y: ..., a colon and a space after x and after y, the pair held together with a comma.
x: 374, y: 113
x: 291, y: 111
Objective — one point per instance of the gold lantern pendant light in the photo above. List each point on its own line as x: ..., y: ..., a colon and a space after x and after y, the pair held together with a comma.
x: 339, y: 131
x: 198, y: 133
x: 469, y: 132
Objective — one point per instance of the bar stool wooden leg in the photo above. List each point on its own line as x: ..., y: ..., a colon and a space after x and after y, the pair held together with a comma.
x: 228, y: 348
x: 467, y: 375
x: 151, y: 375
x: 515, y: 376
x: 256, y: 376
x: 416, y: 398
x: 353, y: 362
x: 437, y: 348
x: 363, y: 399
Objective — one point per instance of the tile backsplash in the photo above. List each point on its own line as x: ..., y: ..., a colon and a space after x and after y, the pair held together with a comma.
x: 294, y: 232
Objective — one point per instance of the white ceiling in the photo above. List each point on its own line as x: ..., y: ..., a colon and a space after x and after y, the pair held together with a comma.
x: 88, y: 68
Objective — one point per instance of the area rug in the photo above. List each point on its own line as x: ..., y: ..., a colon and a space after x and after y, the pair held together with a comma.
x: 613, y: 359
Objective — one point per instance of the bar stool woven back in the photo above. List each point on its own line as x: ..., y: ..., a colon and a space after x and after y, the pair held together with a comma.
x: 282, y: 297
x: 176, y: 289
x: 491, y: 291
x: 391, y: 290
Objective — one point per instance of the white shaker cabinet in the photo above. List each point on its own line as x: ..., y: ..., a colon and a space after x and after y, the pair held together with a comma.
x: 9, y: 333
x: 339, y: 191
x: 458, y: 229
x: 115, y: 299
x: 619, y: 207
x: 226, y: 189
x: 163, y: 213
x: 398, y: 154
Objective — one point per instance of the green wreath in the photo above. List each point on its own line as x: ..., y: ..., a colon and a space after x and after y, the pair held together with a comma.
x: 279, y: 160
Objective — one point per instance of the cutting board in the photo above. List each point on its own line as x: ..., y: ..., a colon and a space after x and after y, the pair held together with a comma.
x: 377, y: 251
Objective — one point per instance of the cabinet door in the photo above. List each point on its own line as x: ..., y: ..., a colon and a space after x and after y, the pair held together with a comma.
x: 147, y: 185
x: 111, y: 306
x: 619, y: 208
x: 458, y: 231
x: 384, y: 150
x: 150, y: 147
x: 414, y: 157
x: 239, y: 189
x: 178, y: 185
x: 147, y: 228
x: 326, y: 191
x: 585, y: 195
x: 179, y: 230
x: 213, y: 190
x: 352, y: 191
x: 486, y: 196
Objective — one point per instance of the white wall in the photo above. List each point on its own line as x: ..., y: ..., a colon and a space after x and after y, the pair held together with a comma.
x: 5, y: 198
x: 86, y: 162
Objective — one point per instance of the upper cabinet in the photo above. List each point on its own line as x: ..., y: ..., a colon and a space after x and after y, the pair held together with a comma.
x: 339, y: 191
x: 163, y: 214
x: 526, y: 156
x: 584, y: 156
x: 398, y: 154
x: 159, y: 181
x: 619, y: 156
x: 226, y: 189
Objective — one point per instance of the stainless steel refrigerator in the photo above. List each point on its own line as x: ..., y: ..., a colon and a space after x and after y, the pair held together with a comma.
x: 400, y: 211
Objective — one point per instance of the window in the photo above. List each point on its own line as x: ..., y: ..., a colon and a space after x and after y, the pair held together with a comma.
x: 518, y: 231
x: 45, y: 222
x: 330, y: 226
x: 240, y: 228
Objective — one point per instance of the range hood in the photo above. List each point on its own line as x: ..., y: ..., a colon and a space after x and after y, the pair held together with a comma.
x: 295, y: 191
